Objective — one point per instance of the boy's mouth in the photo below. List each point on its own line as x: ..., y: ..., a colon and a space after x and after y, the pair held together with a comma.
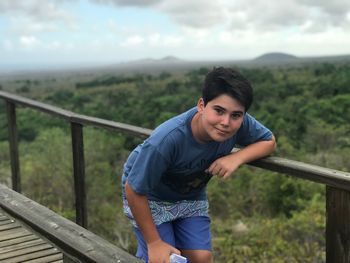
x: 222, y: 132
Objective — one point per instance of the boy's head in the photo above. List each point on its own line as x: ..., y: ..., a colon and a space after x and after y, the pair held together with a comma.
x: 227, y: 81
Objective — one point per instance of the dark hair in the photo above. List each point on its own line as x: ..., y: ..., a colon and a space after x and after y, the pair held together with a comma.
x: 227, y: 81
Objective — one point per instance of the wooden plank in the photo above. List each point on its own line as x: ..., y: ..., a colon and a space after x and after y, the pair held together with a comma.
x: 23, y: 251
x: 12, y: 225
x: 32, y: 256
x: 11, y: 234
x: 24, y: 248
x: 52, y: 258
x: 3, y: 217
x: 337, y: 225
x: 17, y: 240
x: 21, y: 245
x: 6, y: 222
x: 27, y: 248
x: 9, y: 231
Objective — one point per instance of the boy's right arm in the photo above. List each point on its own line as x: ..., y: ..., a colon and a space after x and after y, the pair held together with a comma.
x: 158, y: 250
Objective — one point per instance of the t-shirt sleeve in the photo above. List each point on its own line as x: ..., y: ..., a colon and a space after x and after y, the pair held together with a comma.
x: 147, y: 169
x: 252, y: 131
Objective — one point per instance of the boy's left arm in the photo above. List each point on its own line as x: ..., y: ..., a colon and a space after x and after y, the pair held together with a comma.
x: 225, y: 166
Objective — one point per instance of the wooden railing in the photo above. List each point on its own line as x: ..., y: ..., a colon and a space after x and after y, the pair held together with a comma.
x: 76, y: 123
x: 337, y: 182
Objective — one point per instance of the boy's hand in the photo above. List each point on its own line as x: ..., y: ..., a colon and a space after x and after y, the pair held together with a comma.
x: 224, y: 166
x: 159, y: 252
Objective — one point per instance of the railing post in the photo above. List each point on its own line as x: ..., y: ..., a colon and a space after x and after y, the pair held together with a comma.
x: 79, y: 174
x: 13, y: 144
x: 337, y: 225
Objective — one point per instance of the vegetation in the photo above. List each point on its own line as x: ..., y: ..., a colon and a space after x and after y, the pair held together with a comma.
x: 258, y: 216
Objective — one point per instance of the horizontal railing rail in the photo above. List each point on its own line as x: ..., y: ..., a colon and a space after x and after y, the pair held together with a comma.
x: 75, y: 242
x: 74, y: 117
x: 337, y: 182
x: 318, y: 174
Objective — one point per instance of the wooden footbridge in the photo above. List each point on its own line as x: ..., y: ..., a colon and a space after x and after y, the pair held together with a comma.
x: 30, y: 232
x: 18, y: 244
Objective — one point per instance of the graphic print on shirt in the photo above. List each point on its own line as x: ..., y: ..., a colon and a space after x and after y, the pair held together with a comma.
x: 185, y: 184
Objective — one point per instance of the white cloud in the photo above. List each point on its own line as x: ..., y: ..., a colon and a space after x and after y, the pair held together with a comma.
x: 132, y: 41
x: 274, y: 15
x: 27, y: 17
x: 199, y: 36
x: 36, y: 9
x: 195, y: 13
x: 260, y: 14
x: 335, y: 7
x: 26, y: 26
x: 29, y: 42
x: 198, y: 28
x: 172, y: 41
x: 154, y: 39
x: 138, y: 3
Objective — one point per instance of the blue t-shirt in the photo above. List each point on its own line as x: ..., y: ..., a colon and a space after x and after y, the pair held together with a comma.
x: 170, y: 165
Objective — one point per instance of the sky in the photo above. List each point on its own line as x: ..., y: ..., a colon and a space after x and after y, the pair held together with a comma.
x: 102, y: 32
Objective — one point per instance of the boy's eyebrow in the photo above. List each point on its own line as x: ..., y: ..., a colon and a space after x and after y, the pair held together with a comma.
x: 218, y: 106
x: 222, y: 108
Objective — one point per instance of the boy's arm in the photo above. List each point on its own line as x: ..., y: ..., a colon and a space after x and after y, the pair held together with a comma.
x: 225, y: 166
x: 158, y: 250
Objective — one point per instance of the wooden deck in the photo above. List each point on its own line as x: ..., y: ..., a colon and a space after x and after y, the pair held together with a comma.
x: 17, y: 244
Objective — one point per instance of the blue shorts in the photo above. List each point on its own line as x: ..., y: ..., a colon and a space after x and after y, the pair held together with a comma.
x: 191, y: 233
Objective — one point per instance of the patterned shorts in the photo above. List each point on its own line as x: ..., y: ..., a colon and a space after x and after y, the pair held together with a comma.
x: 169, y: 211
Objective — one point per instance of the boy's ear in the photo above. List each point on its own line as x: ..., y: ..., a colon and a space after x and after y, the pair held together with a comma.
x: 200, y: 105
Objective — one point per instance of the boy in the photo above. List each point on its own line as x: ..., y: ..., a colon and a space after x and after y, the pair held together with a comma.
x: 165, y: 177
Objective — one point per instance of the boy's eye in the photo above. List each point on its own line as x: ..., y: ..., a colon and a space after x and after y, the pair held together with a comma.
x: 219, y: 111
x: 236, y: 115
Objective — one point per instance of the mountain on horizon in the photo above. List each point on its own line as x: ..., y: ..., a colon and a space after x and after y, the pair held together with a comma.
x: 275, y: 56
x: 166, y: 59
x: 172, y: 63
x: 268, y: 57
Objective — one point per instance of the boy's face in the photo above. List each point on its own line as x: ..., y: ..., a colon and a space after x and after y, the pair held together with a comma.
x: 220, y: 119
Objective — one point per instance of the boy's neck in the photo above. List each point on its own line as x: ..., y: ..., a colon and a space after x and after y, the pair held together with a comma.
x: 196, y: 128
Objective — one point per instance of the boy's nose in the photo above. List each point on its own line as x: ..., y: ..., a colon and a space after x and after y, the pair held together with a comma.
x: 225, y: 120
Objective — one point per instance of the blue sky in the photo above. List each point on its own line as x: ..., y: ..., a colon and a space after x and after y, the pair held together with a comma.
x: 87, y: 32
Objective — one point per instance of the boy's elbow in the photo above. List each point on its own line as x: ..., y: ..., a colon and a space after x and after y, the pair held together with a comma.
x: 273, y: 143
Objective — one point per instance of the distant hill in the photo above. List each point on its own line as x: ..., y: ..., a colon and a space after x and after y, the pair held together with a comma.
x: 275, y: 57
x: 171, y: 59
x: 167, y: 59
x: 173, y: 64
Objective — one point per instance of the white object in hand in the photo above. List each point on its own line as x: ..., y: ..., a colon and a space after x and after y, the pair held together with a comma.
x: 175, y: 258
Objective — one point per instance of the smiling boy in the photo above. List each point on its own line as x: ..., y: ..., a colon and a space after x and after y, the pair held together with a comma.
x: 165, y: 177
